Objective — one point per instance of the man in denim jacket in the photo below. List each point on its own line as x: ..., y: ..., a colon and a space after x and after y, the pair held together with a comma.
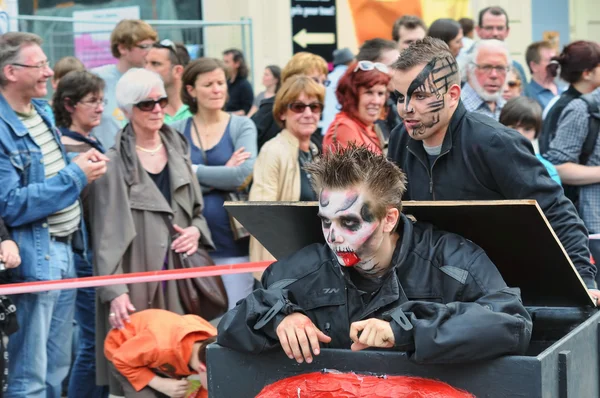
x: 39, y: 202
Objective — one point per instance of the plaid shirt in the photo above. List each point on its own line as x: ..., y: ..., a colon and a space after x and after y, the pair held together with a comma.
x: 571, y: 132
x: 473, y: 103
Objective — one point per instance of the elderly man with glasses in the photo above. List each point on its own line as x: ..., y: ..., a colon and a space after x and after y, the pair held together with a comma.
x: 486, y: 74
x: 169, y: 59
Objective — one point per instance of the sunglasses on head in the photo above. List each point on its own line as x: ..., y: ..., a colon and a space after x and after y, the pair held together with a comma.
x: 169, y: 45
x: 148, y: 105
x: 368, y: 65
x: 299, y: 107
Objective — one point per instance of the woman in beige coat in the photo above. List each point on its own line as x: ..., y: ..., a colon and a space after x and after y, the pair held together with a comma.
x: 149, y: 182
x: 278, y: 173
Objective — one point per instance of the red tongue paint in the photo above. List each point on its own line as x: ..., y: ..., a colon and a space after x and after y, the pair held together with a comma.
x: 350, y: 258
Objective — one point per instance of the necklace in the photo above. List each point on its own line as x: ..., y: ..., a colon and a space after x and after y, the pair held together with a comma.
x: 152, y: 152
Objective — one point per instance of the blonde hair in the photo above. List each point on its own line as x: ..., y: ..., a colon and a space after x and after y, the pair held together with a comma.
x: 302, y: 64
x: 291, y: 90
x: 129, y: 32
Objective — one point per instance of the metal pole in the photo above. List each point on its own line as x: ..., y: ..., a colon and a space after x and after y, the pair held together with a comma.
x: 251, y: 39
x: 115, y: 21
x: 243, y: 38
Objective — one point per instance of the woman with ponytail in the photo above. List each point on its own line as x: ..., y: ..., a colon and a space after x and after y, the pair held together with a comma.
x: 578, y: 65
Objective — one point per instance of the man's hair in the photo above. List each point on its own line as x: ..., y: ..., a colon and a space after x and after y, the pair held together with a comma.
x: 128, y: 33
x: 422, y: 52
x: 409, y: 22
x: 71, y: 89
x: 357, y: 165
x: 191, y: 73
x: 467, y: 25
x: 11, y: 44
x: 532, y: 54
x: 348, y: 85
x: 490, y: 44
x: 291, y: 90
x: 494, y: 10
x: 238, y: 56
x: 522, y: 112
x: 66, y: 65
x: 575, y: 59
x: 202, y: 350
x: 372, y: 50
x: 445, y: 29
x: 303, y: 63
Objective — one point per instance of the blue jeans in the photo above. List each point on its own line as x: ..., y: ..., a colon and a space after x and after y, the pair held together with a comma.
x: 82, y: 382
x: 40, y: 351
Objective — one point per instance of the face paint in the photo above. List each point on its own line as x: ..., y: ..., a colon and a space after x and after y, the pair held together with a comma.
x: 424, y: 100
x: 350, y: 228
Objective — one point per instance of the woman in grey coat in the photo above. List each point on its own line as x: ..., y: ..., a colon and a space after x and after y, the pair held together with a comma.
x: 149, y: 182
x: 223, y: 151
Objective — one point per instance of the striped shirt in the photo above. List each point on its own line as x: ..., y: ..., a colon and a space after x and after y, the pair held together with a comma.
x: 474, y: 103
x: 65, y: 221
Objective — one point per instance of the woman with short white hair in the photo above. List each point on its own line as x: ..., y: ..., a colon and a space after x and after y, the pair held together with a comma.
x: 149, y: 183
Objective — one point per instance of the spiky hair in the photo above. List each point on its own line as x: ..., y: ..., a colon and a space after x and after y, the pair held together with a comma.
x: 357, y: 165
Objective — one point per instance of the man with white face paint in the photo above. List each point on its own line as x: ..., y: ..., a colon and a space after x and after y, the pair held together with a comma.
x: 486, y: 75
x: 451, y: 154
x: 380, y: 280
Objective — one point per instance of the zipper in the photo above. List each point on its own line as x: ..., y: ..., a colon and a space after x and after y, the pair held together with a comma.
x: 431, y: 174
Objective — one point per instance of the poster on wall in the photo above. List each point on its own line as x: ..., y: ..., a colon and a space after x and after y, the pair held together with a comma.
x: 314, y: 27
x: 92, y: 34
x: 9, y: 11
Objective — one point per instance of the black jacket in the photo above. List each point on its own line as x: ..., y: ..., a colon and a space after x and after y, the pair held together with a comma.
x: 445, y: 300
x: 484, y: 160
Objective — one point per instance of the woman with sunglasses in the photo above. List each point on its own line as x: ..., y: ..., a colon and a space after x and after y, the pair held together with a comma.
x: 78, y: 104
x: 278, y: 173
x: 513, y: 87
x: 149, y: 184
x: 362, y: 93
x: 223, y: 150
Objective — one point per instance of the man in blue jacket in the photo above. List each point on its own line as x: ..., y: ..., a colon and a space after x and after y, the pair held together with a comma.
x: 448, y: 153
x: 39, y: 202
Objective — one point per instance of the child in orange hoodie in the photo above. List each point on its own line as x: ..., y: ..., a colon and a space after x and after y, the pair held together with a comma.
x: 156, y: 350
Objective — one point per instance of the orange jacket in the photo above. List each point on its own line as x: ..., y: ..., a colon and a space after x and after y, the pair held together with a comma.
x: 155, y: 341
x: 346, y: 129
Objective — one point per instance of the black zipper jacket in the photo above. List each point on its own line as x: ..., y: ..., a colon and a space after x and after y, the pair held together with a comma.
x: 444, y: 298
x: 484, y: 160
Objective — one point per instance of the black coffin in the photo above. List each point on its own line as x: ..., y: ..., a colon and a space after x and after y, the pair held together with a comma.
x: 563, y: 358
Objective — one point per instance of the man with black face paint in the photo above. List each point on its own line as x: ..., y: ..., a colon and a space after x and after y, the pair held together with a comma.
x: 451, y: 154
x: 380, y: 280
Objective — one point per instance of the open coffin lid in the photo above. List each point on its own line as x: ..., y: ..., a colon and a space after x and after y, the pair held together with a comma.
x: 515, y: 234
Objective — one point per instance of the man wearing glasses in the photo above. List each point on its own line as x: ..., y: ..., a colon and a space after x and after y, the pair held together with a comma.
x: 39, y: 202
x: 493, y: 24
x: 486, y: 74
x: 130, y: 42
x: 168, y: 60
x: 448, y: 153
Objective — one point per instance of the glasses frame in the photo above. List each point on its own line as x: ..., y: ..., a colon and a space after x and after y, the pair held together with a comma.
x: 304, y: 106
x: 144, y: 105
x: 41, y: 65
x: 94, y: 104
x: 367, y: 66
x: 501, y: 70
x: 144, y: 46
x: 171, y: 46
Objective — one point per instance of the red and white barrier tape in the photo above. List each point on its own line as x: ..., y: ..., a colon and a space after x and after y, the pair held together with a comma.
x: 137, y: 277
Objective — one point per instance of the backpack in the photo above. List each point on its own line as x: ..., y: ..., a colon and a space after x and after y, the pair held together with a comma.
x: 572, y: 191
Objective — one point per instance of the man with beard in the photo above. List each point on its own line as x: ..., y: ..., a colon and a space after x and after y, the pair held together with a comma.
x: 366, y: 286
x: 451, y: 154
x: 486, y: 74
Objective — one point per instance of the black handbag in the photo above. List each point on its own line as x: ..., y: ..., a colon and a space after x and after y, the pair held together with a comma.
x: 205, y: 296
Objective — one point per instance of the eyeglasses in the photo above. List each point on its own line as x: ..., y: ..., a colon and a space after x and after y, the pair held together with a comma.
x: 513, y: 84
x: 41, y: 65
x: 95, y: 102
x: 487, y: 69
x: 147, y: 46
x: 492, y: 28
x: 368, y: 65
x: 149, y: 105
x: 325, y: 83
x: 169, y: 45
x: 299, y: 107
